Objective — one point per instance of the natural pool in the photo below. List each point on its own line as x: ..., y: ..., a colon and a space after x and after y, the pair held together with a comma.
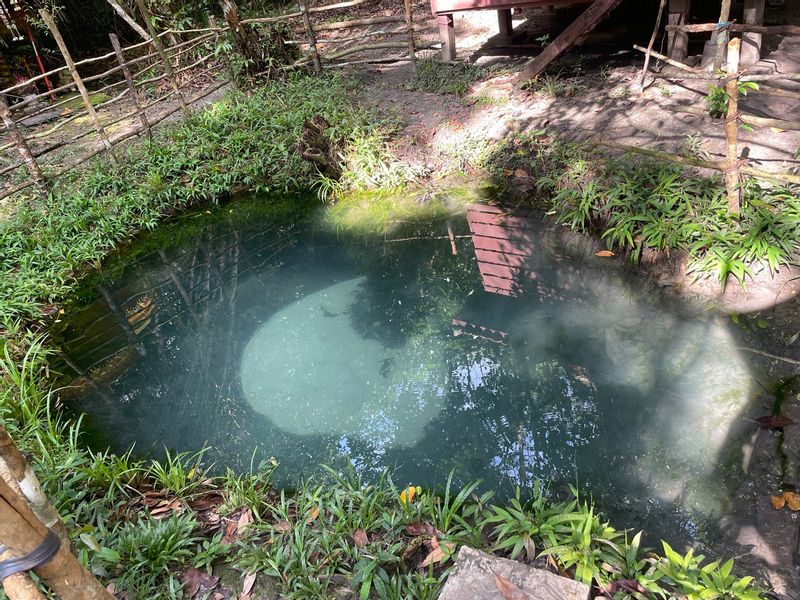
x: 497, y: 350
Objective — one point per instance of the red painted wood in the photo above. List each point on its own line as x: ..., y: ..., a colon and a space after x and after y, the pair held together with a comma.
x: 449, y: 6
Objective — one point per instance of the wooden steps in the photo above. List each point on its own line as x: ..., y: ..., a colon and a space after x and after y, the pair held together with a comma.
x: 572, y: 35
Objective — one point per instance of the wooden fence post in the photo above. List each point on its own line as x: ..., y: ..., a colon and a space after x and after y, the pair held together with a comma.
x: 21, y: 144
x: 148, y: 20
x: 312, y: 38
x: 62, y: 46
x: 245, y: 42
x: 126, y: 72
x: 731, y: 126
x: 226, y: 59
x: 650, y: 45
x: 722, y: 36
x: 22, y: 532
x: 410, y: 28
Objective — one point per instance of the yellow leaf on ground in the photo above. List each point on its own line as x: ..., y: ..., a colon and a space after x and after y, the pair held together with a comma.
x: 441, y: 551
x: 792, y: 500
x: 508, y: 590
x: 778, y: 502
x: 407, y: 495
x: 312, y: 515
x: 604, y: 253
x: 776, y: 130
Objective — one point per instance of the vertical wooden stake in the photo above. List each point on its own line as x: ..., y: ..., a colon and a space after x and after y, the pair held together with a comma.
x: 731, y: 125
x: 678, y: 41
x: 51, y: 24
x: 21, y: 532
x: 312, y: 38
x: 722, y: 36
x: 650, y: 45
x: 410, y: 29
x: 751, y: 42
x: 22, y: 145
x: 226, y: 59
x: 245, y: 40
x: 129, y: 80
x: 148, y: 20
x: 448, y: 36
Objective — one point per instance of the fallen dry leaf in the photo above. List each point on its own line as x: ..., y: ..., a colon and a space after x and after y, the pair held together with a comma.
x: 420, y: 528
x: 630, y: 586
x: 521, y: 174
x: 229, y: 535
x: 247, y: 586
x: 195, y: 580
x: 604, y: 253
x: 312, y: 515
x: 360, y: 538
x: 792, y: 500
x: 245, y: 519
x: 282, y: 526
x: 774, y: 421
x: 778, y: 502
x: 407, y: 495
x: 508, y: 590
x: 438, y: 554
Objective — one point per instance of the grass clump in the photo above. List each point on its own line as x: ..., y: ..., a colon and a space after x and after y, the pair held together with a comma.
x: 240, y: 142
x: 644, y: 205
x: 436, y: 77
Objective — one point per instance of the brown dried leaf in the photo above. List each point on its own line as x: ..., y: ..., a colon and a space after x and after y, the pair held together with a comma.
x: 360, y: 538
x: 792, y: 500
x: 440, y: 552
x: 604, y: 253
x: 282, y: 526
x: 312, y: 515
x: 230, y: 533
x: 247, y: 586
x: 521, y: 174
x: 420, y: 528
x: 194, y: 581
x: 629, y: 586
x: 508, y: 590
x: 774, y: 421
x: 778, y: 502
x: 244, y: 520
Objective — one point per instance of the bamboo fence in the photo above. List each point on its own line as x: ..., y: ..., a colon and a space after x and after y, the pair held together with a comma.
x: 152, y: 80
x: 734, y: 166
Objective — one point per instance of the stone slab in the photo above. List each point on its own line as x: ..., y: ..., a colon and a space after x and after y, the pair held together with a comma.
x: 473, y: 578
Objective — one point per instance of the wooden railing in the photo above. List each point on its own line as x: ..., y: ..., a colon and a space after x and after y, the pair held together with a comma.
x: 151, y: 80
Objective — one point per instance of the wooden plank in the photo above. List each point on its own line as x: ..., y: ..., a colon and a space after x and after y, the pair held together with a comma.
x: 678, y: 41
x: 447, y: 35
x: 751, y: 41
x: 573, y: 34
x: 505, y: 24
x: 440, y: 7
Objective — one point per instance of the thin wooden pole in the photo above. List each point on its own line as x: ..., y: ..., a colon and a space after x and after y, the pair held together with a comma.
x: 244, y: 39
x: 129, y: 20
x: 126, y: 72
x: 650, y: 45
x: 148, y: 20
x: 410, y: 30
x: 62, y: 46
x: 312, y: 38
x: 731, y: 126
x: 722, y: 35
x: 226, y: 58
x: 21, y: 532
x: 21, y: 144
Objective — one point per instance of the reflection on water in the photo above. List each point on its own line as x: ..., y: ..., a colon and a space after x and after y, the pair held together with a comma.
x: 513, y: 359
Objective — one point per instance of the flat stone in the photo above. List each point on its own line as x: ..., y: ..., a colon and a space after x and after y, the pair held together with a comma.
x: 473, y: 578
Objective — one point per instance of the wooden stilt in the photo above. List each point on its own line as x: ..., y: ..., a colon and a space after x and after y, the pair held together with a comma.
x: 21, y: 144
x: 505, y: 24
x: 751, y: 41
x: 448, y: 36
x: 126, y: 72
x: 311, y: 36
x: 159, y: 46
x: 678, y: 41
x: 62, y: 46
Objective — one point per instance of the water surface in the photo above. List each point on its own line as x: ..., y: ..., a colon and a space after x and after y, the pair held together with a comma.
x: 501, y: 353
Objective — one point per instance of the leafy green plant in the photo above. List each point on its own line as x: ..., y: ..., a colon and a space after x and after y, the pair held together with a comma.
x: 181, y: 473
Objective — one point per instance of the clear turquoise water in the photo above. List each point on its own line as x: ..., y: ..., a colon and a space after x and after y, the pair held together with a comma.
x: 263, y: 333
